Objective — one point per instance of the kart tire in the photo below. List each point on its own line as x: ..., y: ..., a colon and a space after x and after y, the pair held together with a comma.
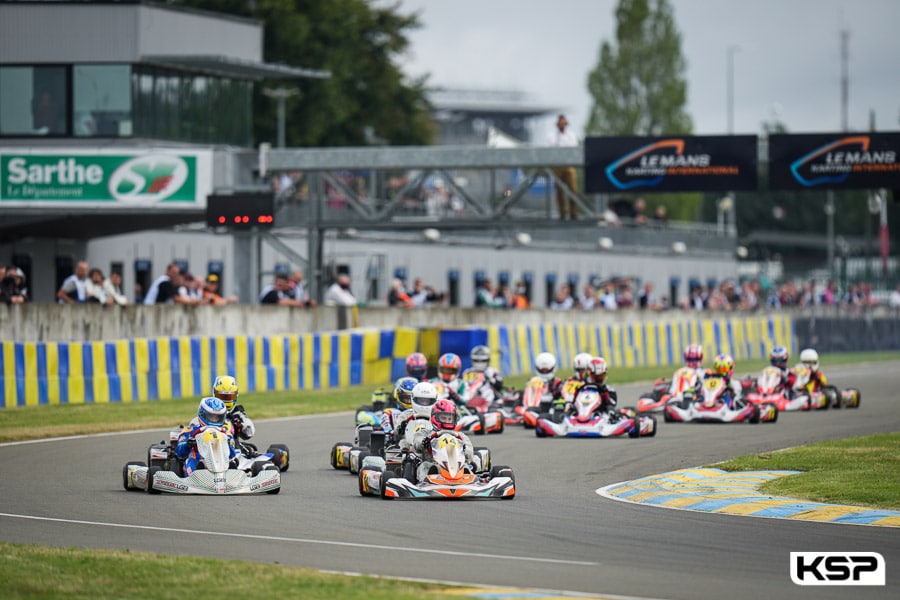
x: 502, y: 422
x: 833, y: 395
x: 635, y: 432
x: 151, y: 475
x: 408, y: 471
x: 775, y: 413
x: 135, y: 463
x: 285, y: 463
x: 363, y: 454
x: 482, y: 428
x: 504, y: 471
x: 334, y: 450
x: 257, y: 467
x: 385, y: 477
x: 754, y: 418
x: 653, y: 429
x: 271, y: 467
x: 667, y: 417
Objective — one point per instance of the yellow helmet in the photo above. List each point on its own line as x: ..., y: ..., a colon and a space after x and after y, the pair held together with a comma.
x: 225, y: 388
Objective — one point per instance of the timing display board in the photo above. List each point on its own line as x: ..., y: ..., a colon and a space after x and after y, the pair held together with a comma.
x: 670, y: 164
x: 834, y: 161
x: 241, y: 211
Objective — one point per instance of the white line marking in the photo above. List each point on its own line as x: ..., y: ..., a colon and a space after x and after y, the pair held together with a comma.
x: 306, y: 541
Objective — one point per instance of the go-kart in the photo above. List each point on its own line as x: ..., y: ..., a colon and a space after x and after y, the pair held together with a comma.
x: 585, y: 419
x: 449, y: 476
x: 473, y: 420
x: 163, y: 454
x: 828, y: 395
x: 715, y: 405
x: 664, y: 391
x: 482, y: 397
x: 768, y: 387
x: 536, y: 400
x: 215, y: 475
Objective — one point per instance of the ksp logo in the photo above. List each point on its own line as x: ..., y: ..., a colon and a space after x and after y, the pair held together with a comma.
x: 148, y: 178
x: 837, y: 568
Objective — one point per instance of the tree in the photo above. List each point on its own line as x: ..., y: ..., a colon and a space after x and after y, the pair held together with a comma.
x: 638, y: 86
x: 366, y: 99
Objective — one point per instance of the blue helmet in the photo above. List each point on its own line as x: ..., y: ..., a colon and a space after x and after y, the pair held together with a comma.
x: 212, y: 412
x: 403, y: 391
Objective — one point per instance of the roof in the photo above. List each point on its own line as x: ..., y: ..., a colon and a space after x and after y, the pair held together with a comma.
x: 235, y: 67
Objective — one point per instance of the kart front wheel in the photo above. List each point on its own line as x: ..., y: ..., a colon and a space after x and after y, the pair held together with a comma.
x: 385, y: 477
x: 151, y: 475
x: 126, y: 480
x: 280, y: 456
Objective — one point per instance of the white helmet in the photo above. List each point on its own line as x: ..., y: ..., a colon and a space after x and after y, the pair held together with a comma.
x: 424, y: 395
x: 810, y: 358
x: 581, y: 362
x: 545, y: 365
x: 481, y: 357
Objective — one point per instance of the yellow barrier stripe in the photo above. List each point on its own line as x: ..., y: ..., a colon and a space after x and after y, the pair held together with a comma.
x: 278, y: 360
x: 123, y: 370
x: 163, y: 368
x: 241, y: 359
x: 142, y: 367
x: 344, y: 356
x: 221, y: 365
x: 76, y: 374
x: 307, y: 362
x: 186, y: 368
x: 53, y: 382
x: 31, y: 379
x: 100, y: 381
x: 293, y: 361
x: 260, y: 376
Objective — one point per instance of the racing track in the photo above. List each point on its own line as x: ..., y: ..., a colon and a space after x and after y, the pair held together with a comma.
x: 557, y: 534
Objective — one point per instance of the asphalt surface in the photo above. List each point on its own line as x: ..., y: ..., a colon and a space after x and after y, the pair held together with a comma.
x: 557, y: 534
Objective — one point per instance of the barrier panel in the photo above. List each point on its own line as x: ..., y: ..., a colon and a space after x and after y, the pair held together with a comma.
x: 36, y: 373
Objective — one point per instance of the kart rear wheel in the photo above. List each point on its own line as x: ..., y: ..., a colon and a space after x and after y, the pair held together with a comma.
x: 774, y: 413
x: 832, y: 396
x: 482, y: 428
x: 334, y: 454
x: 666, y: 416
x: 283, y: 462
x: 754, y: 418
x: 653, y: 428
x: 125, y: 478
x: 408, y: 471
x: 151, y: 475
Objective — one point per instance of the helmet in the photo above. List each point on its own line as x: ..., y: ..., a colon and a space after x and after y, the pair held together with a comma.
x: 481, y: 357
x: 225, y: 388
x: 211, y: 412
x: 545, y: 365
x: 581, y: 362
x: 596, y: 371
x: 724, y: 365
x: 416, y: 365
x: 380, y: 398
x: 444, y: 415
x: 778, y: 357
x: 403, y: 390
x: 810, y: 358
x: 448, y: 366
x: 424, y: 395
x: 693, y: 355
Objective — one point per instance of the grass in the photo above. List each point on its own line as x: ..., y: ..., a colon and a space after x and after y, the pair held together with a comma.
x: 94, y: 574
x: 860, y: 471
x: 36, y: 422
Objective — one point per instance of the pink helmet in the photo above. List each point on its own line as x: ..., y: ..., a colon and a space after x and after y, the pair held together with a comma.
x: 416, y: 365
x: 693, y: 355
x: 444, y: 415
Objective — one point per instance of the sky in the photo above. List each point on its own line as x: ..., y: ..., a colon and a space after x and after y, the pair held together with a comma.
x: 786, y: 57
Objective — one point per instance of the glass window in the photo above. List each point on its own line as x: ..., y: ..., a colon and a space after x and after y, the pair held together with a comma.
x: 33, y: 101
x: 102, y: 100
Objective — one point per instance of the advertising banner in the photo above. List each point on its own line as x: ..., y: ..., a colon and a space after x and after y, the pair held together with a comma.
x: 670, y: 164
x: 834, y: 161
x: 105, y: 178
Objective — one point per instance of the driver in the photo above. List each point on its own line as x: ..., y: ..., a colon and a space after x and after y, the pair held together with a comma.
x: 424, y: 396
x: 481, y: 358
x: 392, y: 416
x: 417, y: 366
x: 810, y: 358
x: 693, y: 360
x: 778, y: 358
x: 723, y: 367
x: 444, y: 417
x: 211, y: 413
x: 595, y: 379
x: 225, y: 388
x: 449, y: 366
x: 571, y: 385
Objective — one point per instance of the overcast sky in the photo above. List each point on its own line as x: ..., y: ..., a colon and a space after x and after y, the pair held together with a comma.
x: 787, y: 59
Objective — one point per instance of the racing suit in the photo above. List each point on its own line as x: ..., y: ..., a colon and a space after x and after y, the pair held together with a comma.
x: 491, y: 375
x: 186, y: 447
x: 701, y: 373
x: 608, y: 398
x: 241, y: 423
x: 422, y: 448
x: 787, y: 380
x: 456, y: 388
x: 568, y: 389
x: 734, y: 389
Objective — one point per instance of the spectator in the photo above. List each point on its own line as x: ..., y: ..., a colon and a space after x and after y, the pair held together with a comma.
x: 299, y: 289
x: 95, y: 291
x: 279, y: 292
x: 191, y: 289
x: 660, y: 218
x: 424, y: 294
x: 625, y: 297
x: 608, y: 298
x: 398, y: 296
x: 520, y: 296
x: 485, y: 295
x: 647, y: 298
x: 211, y: 292
x: 112, y: 287
x: 74, y: 288
x: 12, y: 285
x: 563, y: 137
x: 894, y: 298
x: 164, y: 290
x: 503, y: 297
x: 588, y: 298
x: 830, y: 293
x: 639, y: 207
x: 563, y: 299
x: 339, y: 294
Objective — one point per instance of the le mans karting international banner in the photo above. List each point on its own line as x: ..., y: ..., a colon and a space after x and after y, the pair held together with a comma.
x: 114, y: 178
x: 834, y: 161
x: 670, y: 164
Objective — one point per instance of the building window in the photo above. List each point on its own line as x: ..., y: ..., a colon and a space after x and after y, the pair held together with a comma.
x: 34, y: 101
x: 102, y: 100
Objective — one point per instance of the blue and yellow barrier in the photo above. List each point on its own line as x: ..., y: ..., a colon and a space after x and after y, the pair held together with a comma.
x: 36, y: 373
x: 162, y: 368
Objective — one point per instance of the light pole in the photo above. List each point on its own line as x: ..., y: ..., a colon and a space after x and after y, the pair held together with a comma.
x: 730, y: 84
x: 281, y: 95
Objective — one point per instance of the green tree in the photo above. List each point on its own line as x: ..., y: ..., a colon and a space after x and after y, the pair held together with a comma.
x: 638, y: 86
x: 366, y: 100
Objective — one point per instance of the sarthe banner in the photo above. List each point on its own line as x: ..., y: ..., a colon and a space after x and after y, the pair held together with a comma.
x: 834, y: 161
x: 670, y: 164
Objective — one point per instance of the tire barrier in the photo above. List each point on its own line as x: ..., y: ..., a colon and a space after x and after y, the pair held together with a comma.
x: 848, y: 334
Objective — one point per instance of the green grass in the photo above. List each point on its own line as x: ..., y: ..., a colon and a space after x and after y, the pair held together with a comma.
x: 30, y: 571
x: 36, y: 422
x: 860, y: 471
